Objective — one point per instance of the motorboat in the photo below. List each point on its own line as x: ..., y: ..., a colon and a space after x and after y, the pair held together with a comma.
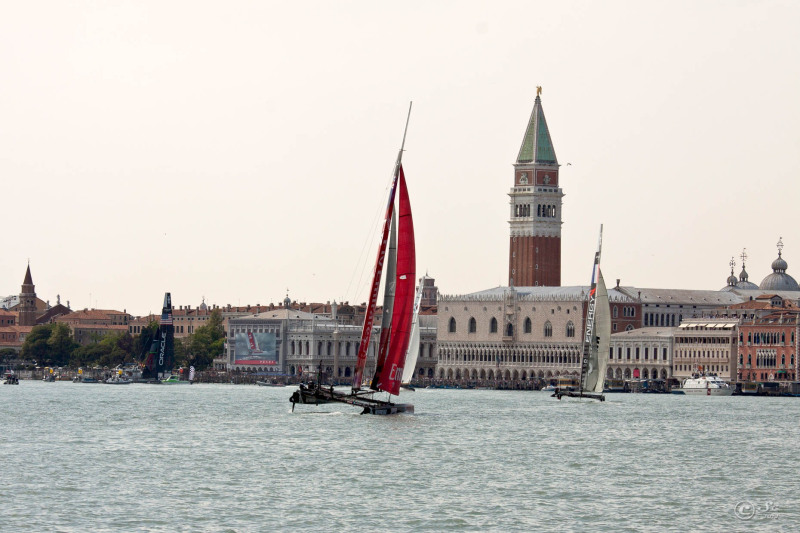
x: 117, y: 379
x: 173, y: 379
x: 705, y: 385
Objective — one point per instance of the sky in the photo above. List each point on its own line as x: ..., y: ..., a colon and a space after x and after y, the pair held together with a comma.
x: 237, y: 151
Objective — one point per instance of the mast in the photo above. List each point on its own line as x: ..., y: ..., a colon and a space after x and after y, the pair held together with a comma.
x: 589, y: 340
x: 369, y: 315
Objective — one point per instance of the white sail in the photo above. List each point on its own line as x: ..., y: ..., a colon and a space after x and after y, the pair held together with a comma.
x: 602, y: 332
x: 597, y: 330
x: 413, y: 344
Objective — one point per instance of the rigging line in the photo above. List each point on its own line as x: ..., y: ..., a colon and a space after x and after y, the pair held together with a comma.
x: 363, y: 257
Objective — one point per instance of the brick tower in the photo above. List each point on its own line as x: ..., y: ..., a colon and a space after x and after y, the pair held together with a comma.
x: 27, y: 301
x: 534, y: 258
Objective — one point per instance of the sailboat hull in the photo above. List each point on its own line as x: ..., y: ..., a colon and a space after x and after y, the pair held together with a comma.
x: 579, y: 396
x: 370, y: 405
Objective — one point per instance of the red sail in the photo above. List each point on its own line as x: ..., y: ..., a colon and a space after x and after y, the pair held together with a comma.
x: 369, y: 316
x: 392, y: 373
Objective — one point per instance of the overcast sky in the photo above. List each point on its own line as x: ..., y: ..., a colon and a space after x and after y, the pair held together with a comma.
x: 235, y: 150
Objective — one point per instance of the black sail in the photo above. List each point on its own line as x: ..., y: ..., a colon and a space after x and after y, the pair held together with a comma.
x: 165, y: 356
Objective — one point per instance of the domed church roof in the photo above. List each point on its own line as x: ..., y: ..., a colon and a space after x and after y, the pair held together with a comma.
x: 731, y: 282
x: 779, y: 280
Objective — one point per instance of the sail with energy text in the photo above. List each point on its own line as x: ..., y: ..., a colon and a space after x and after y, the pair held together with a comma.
x: 597, y: 330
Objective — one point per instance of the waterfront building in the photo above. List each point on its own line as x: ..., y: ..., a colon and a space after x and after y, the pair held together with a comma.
x: 705, y: 345
x: 20, y: 313
x: 767, y: 346
x: 513, y: 333
x: 88, y: 325
x: 644, y: 353
x: 288, y: 340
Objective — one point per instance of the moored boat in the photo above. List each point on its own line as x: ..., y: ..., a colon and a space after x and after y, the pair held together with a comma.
x: 705, y: 385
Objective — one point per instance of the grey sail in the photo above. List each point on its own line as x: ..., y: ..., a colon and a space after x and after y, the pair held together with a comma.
x: 602, y: 338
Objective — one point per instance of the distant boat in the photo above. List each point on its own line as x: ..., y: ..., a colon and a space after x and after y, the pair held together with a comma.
x: 705, y: 385
x: 269, y: 384
x: 398, y: 302
x: 119, y: 379
x: 10, y: 378
x: 160, y: 358
x: 596, y: 338
x: 173, y: 379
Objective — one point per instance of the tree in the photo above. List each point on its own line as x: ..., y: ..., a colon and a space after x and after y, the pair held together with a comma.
x: 60, y: 345
x: 207, y: 342
x: 35, y: 346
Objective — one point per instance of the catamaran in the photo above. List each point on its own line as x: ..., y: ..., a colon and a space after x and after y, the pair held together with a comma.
x: 596, y: 338
x: 397, y: 252
x: 160, y: 358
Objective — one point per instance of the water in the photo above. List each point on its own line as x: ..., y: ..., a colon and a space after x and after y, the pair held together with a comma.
x: 80, y: 457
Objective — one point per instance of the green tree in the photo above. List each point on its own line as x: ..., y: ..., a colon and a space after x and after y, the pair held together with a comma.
x: 35, y: 347
x: 7, y: 355
x: 207, y: 342
x: 60, y: 345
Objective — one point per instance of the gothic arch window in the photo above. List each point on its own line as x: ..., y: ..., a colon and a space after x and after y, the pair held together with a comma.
x: 528, y: 326
x: 548, y: 329
x: 570, y: 329
x: 451, y: 328
x: 510, y: 330
x: 616, y: 312
x: 473, y: 325
x: 493, y: 325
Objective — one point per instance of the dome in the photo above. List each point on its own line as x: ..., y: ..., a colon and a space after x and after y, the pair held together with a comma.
x: 743, y: 282
x: 779, y: 265
x: 779, y: 280
x: 747, y: 285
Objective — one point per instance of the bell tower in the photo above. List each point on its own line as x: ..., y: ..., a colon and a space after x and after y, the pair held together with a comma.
x: 27, y: 301
x: 535, y: 219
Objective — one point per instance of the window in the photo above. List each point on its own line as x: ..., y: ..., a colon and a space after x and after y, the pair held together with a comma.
x: 510, y: 330
x: 570, y: 329
x: 548, y: 329
x: 493, y: 325
x: 473, y: 326
x: 616, y: 312
x: 451, y: 328
x: 528, y: 326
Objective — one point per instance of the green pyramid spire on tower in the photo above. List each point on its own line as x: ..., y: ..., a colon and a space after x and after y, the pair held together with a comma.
x: 537, y: 147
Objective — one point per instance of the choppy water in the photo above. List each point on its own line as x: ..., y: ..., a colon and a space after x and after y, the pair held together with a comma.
x: 79, y: 457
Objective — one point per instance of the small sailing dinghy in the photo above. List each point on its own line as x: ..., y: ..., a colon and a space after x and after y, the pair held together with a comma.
x: 398, y: 303
x: 596, y: 338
